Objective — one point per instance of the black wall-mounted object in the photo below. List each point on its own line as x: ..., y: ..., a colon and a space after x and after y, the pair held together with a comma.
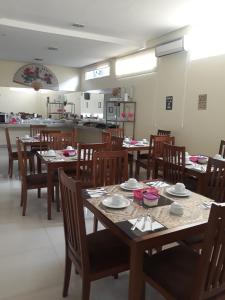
x: 86, y: 96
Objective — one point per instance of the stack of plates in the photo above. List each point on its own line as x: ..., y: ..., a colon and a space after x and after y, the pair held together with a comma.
x: 171, y: 190
x: 122, y: 203
x: 126, y: 186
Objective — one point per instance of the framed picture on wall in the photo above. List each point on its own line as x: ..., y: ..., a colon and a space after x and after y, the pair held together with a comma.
x: 169, y: 102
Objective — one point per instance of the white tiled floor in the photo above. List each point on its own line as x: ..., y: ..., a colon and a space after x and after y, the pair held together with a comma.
x: 32, y: 250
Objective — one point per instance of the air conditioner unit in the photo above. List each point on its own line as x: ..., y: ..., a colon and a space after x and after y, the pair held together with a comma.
x: 169, y: 48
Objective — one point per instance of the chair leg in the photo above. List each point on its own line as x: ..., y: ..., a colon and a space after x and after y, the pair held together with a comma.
x: 24, y: 201
x: 137, y: 171
x: 57, y: 197
x: 131, y: 169
x: 10, y: 167
x: 68, y: 265
x: 39, y: 192
x: 21, y: 197
x: 95, y: 225
x: 86, y: 287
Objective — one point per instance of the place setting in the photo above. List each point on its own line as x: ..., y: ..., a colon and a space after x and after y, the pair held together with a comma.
x: 131, y: 184
x: 178, y: 190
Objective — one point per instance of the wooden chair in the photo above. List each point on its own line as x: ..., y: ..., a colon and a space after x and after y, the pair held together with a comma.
x: 13, y: 155
x: 85, y: 162
x: 163, y: 132
x: 214, y: 188
x: 31, y: 181
x: 155, y: 150
x: 116, y: 131
x: 214, y: 185
x: 180, y: 273
x: 173, y: 163
x: 36, y: 129
x: 96, y: 255
x: 61, y: 140
x: 116, y: 143
x: 109, y: 168
x: 45, y: 138
x: 222, y: 148
x: 107, y: 138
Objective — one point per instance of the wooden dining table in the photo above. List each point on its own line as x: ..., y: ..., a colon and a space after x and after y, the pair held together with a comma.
x: 174, y: 227
x: 53, y: 163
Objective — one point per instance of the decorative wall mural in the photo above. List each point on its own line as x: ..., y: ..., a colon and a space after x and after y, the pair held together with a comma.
x: 37, y: 76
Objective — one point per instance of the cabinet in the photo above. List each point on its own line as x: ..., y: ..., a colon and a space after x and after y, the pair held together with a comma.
x: 121, y: 114
x: 57, y: 110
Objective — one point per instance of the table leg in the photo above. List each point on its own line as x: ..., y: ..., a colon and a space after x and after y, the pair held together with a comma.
x: 136, y: 283
x: 50, y: 189
x: 200, y: 185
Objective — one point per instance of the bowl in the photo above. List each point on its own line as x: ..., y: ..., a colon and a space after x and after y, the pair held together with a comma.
x: 150, y: 199
x: 67, y: 152
x: 203, y: 160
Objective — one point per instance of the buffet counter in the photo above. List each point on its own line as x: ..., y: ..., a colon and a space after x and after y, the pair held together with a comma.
x: 86, y: 134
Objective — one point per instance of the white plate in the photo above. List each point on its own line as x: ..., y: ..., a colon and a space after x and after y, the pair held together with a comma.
x: 170, y: 190
x: 124, y: 186
x: 122, y: 204
x: 49, y: 155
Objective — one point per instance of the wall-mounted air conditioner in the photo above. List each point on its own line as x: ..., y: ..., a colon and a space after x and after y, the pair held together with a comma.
x: 169, y: 48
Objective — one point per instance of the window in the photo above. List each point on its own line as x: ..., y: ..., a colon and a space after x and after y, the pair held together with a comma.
x: 139, y: 63
x: 99, y: 72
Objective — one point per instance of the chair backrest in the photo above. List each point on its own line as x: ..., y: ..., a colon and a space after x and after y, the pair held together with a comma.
x: 110, y: 167
x: 214, y: 185
x: 85, y: 162
x: 116, y: 143
x: 163, y: 132
x: 116, y: 131
x: 210, y: 275
x: 173, y: 163
x: 36, y: 129
x: 157, y: 142
x: 74, y: 223
x: 45, y: 138
x: 9, y: 146
x: 61, y: 140
x: 222, y: 148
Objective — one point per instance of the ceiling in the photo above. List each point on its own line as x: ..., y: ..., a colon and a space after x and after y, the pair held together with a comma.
x: 112, y: 28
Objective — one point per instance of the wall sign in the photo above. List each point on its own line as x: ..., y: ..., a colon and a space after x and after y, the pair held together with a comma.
x: 36, y: 76
x: 169, y: 102
x: 202, y: 102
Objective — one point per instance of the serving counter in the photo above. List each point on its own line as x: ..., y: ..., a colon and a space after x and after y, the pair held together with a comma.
x: 85, y: 134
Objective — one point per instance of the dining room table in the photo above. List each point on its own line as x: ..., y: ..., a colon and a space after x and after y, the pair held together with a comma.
x: 53, y: 162
x: 136, y: 145
x: 195, y: 169
x: 143, y: 228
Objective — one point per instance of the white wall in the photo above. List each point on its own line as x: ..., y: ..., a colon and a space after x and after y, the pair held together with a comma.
x: 177, y: 76
x: 15, y: 101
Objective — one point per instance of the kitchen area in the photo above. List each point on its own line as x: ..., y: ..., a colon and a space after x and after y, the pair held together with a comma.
x: 64, y: 110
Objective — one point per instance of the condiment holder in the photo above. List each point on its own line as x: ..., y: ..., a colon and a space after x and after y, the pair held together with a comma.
x: 150, y: 199
x: 176, y: 209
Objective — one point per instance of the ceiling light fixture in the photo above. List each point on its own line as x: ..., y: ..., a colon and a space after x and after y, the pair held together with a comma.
x: 77, y: 25
x: 53, y: 48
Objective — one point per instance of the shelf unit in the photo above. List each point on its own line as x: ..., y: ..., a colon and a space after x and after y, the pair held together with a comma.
x: 58, y: 109
x: 120, y: 113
